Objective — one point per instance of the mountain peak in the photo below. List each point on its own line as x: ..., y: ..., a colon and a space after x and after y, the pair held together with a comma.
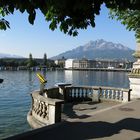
x: 3, y: 55
x: 100, y: 40
x: 99, y: 49
x: 103, y: 45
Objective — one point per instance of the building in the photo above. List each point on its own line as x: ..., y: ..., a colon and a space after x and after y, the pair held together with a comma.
x: 85, y: 63
x: 60, y: 62
x: 69, y: 63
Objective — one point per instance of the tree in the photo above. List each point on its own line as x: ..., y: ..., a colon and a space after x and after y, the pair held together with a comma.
x: 45, y: 59
x: 131, y: 19
x: 30, y: 61
x: 69, y: 15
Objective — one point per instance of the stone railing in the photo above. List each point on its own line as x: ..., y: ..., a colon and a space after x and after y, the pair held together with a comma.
x: 46, y: 107
x: 44, y: 111
x: 85, y: 93
x: 134, y: 73
x: 52, y: 93
x: 80, y: 93
x: 115, y: 94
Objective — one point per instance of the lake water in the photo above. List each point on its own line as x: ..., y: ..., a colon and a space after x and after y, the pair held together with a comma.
x: 15, y: 92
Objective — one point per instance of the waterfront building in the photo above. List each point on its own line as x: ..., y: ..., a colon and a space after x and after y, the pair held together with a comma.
x: 114, y: 64
x: 85, y: 63
x: 69, y: 63
x: 60, y: 62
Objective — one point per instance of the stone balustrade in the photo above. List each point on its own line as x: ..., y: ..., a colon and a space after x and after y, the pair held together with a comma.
x: 134, y: 73
x: 44, y: 111
x: 115, y: 94
x: 85, y: 93
x: 79, y: 93
x: 46, y: 107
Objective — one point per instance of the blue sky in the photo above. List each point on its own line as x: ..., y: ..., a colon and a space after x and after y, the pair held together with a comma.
x: 38, y: 39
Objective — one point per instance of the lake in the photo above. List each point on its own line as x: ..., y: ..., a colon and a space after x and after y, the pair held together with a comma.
x: 15, y: 92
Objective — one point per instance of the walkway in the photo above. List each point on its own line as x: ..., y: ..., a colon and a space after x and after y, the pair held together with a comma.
x: 120, y: 122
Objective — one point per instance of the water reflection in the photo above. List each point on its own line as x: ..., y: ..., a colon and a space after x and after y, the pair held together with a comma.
x: 68, y: 76
x: 97, y: 78
x: 44, y: 73
x: 30, y: 76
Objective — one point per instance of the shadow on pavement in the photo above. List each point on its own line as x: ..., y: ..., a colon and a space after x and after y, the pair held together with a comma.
x: 84, y: 130
x: 69, y: 111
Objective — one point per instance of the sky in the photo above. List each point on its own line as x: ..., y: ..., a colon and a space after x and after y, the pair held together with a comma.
x: 23, y: 38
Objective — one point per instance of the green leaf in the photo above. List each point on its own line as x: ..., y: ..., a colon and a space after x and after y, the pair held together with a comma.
x: 31, y: 17
x: 11, y: 9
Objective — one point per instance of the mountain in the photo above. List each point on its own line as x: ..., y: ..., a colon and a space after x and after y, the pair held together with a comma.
x: 3, y: 55
x: 99, y: 49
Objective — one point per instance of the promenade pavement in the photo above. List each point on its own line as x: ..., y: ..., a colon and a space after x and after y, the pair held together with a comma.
x: 117, y: 122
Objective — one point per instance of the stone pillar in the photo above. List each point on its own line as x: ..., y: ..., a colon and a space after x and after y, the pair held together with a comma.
x: 95, y: 95
x: 126, y: 95
x: 62, y: 90
x: 55, y: 112
x: 134, y: 76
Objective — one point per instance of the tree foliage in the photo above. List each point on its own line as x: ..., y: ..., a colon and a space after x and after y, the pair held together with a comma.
x: 130, y: 18
x: 68, y: 15
x: 45, y: 59
x: 30, y: 61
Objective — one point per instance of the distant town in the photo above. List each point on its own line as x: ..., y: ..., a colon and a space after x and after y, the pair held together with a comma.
x: 63, y: 63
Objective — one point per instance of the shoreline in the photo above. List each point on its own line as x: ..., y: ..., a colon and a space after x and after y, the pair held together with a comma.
x: 99, y: 69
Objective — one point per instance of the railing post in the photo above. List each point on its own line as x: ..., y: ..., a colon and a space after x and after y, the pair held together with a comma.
x: 55, y: 112
x: 95, y: 96
x: 126, y: 95
x: 62, y: 90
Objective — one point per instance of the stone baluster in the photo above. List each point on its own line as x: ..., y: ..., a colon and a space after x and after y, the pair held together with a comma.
x: 114, y: 94
x: 70, y: 94
x: 108, y: 93
x: 104, y: 93
x: 111, y: 94
x: 121, y: 95
x: 86, y: 93
x: 78, y: 93
x: 74, y: 93
x: 82, y: 94
x: 116, y: 98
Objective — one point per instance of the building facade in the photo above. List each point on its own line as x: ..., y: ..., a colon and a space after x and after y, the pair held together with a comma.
x: 85, y: 63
